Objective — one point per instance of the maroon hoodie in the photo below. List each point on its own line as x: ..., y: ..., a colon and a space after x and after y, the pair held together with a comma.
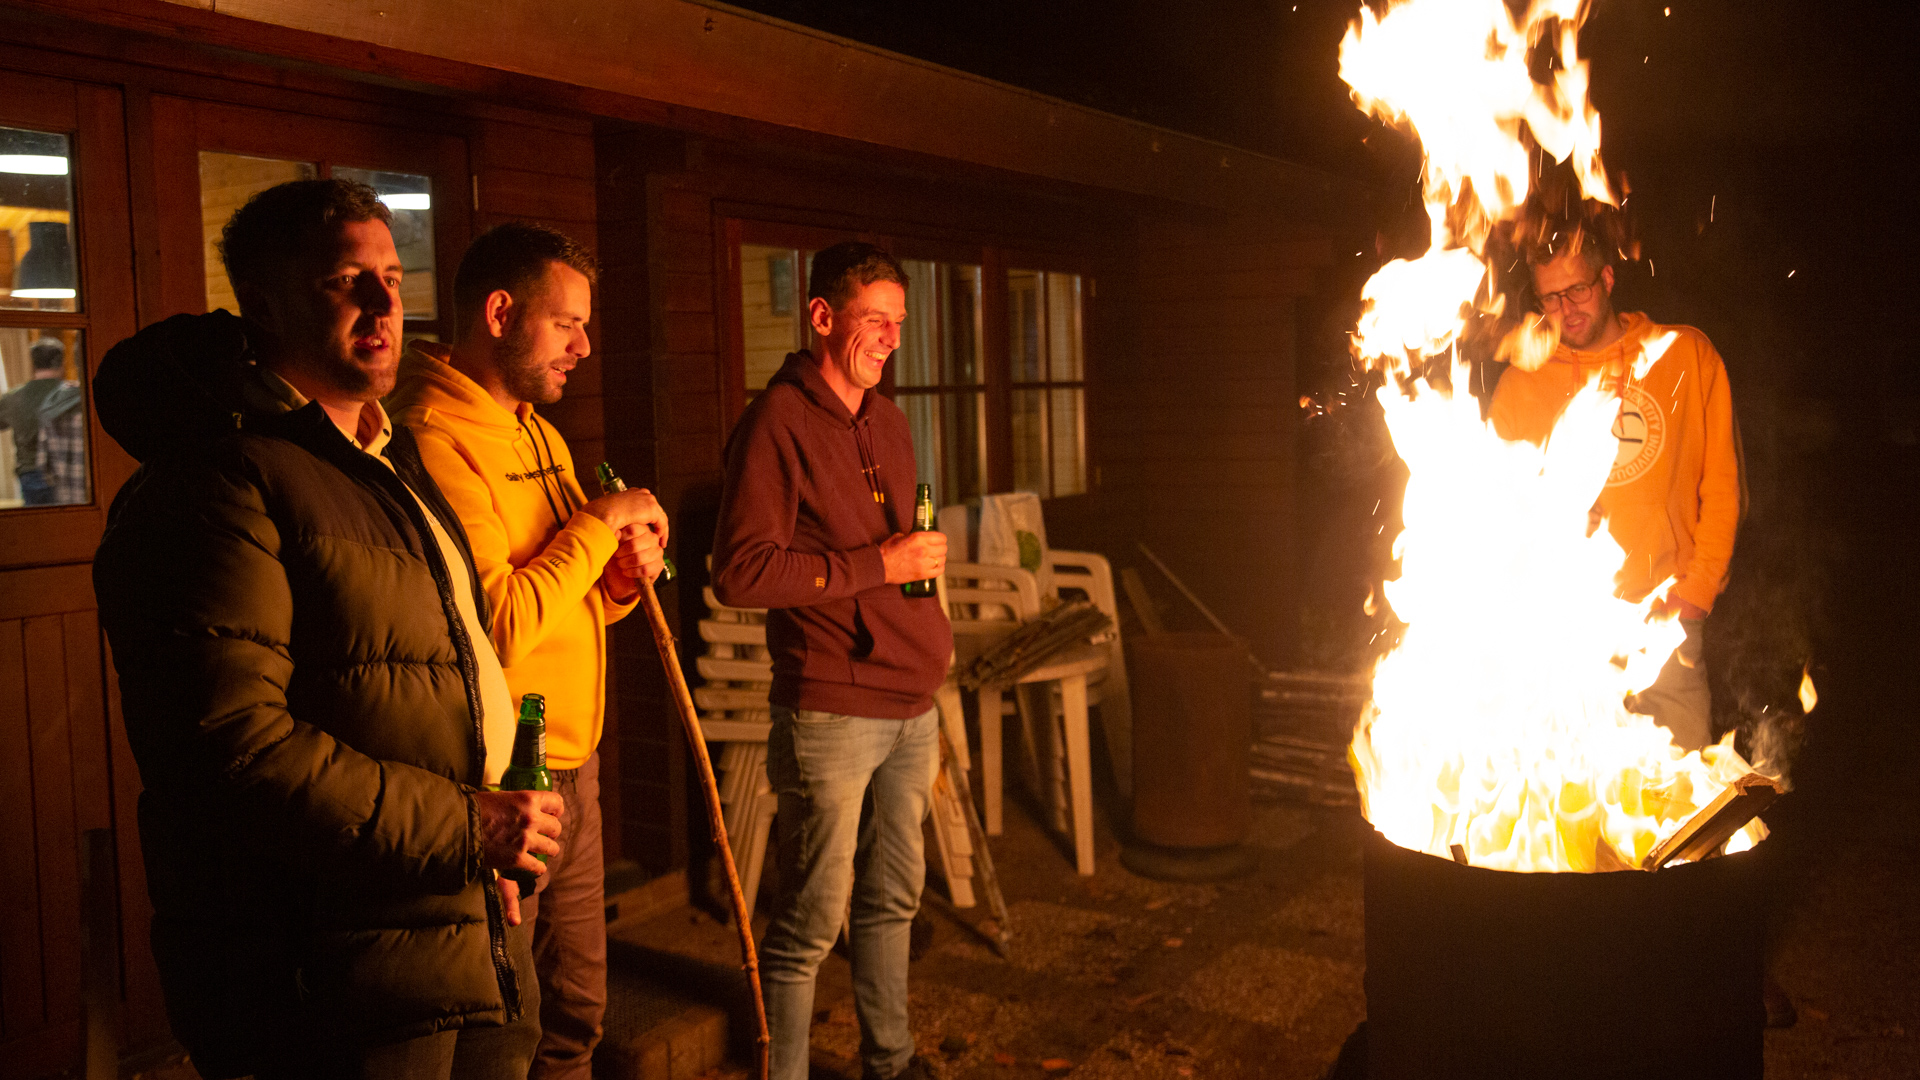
x: 811, y: 492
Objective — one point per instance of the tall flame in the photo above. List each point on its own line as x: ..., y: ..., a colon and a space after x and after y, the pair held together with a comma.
x: 1498, y: 722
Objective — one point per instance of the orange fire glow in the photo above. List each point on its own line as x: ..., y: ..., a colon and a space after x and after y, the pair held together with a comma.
x: 1498, y: 723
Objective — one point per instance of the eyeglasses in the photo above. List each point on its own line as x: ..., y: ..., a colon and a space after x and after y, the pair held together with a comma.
x: 1572, y: 294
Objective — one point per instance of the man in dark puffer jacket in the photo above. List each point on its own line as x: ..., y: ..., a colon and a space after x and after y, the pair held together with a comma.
x: 307, y: 684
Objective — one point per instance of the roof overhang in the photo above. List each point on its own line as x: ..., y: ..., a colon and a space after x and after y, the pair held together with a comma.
x: 707, y: 60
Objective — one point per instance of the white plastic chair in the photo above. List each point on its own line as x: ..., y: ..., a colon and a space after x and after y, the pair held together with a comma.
x: 735, y: 711
x: 989, y: 602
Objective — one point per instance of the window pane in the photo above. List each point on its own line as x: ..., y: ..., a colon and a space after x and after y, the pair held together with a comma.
x: 227, y: 181
x: 940, y: 344
x: 43, y: 406
x: 773, y: 308
x: 949, y: 442
x: 1030, y: 442
x: 963, y: 465
x: 964, y: 363
x: 1067, y: 438
x: 410, y: 198
x: 917, y: 361
x: 1024, y: 315
x: 37, y: 271
x: 1063, y: 328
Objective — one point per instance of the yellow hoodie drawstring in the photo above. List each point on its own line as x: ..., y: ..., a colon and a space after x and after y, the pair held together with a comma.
x: 540, y: 474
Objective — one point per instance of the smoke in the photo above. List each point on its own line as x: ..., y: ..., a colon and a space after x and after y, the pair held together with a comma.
x: 1760, y: 638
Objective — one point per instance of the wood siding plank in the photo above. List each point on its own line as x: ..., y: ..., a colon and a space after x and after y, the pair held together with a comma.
x: 87, y: 722
x: 540, y: 195
x: 520, y: 147
x: 55, y: 840
x: 22, y: 997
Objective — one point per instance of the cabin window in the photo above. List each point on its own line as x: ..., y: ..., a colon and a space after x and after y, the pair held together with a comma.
x: 409, y: 198
x: 773, y: 310
x: 1048, y: 382
x: 43, y: 413
x: 227, y: 181
x: 939, y: 378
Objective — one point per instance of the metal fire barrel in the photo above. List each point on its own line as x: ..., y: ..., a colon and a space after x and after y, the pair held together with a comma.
x: 1484, y: 973
x: 1192, y: 728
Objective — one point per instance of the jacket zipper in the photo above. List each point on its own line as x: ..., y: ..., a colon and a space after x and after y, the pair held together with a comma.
x: 470, y: 676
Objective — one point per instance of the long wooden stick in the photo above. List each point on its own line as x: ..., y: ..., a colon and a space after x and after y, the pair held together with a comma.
x: 690, y: 719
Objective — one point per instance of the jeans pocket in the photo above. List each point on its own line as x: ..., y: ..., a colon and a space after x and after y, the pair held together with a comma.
x: 815, y: 717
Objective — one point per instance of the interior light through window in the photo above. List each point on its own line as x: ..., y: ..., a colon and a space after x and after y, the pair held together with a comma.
x: 33, y: 164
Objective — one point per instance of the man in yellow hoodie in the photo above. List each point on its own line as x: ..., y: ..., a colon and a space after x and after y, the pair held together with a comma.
x: 1676, y: 494
x: 557, y: 566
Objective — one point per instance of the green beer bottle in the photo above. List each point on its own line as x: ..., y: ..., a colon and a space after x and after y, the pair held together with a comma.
x: 528, y: 769
x: 610, y: 483
x: 922, y: 522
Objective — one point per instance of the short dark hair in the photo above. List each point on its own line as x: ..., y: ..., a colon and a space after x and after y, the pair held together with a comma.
x: 47, y: 354
x: 1583, y: 243
x: 510, y: 257
x: 841, y: 270
x: 267, y: 236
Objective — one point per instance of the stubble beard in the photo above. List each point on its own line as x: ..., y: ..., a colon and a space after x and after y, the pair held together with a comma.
x: 524, y: 374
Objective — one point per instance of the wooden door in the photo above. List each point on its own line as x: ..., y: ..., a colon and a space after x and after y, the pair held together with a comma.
x: 63, y: 769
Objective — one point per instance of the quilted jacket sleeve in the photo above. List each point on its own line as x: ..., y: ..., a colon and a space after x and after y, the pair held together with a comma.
x: 198, y: 608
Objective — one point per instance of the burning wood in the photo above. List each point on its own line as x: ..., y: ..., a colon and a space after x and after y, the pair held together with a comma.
x: 1738, y: 803
x: 1498, y: 729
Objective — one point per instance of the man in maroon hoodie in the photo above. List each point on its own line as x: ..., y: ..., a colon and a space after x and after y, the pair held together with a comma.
x: 813, y: 526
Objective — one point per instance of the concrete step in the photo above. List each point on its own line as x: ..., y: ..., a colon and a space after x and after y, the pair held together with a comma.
x: 655, y: 1028
x: 677, y: 1002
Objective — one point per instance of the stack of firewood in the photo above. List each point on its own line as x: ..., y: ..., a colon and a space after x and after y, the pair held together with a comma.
x: 1036, y: 642
x: 1302, y: 722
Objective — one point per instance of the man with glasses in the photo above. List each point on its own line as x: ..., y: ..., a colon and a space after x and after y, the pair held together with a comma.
x: 1676, y: 493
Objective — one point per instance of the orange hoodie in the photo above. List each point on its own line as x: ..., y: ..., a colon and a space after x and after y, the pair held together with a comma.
x: 511, y: 479
x: 1676, y: 494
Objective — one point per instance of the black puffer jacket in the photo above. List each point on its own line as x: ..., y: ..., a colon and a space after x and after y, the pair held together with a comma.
x: 301, y: 696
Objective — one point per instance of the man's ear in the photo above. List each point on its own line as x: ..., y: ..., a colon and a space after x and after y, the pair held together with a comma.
x: 498, y: 313
x: 820, y: 316
x: 1606, y: 279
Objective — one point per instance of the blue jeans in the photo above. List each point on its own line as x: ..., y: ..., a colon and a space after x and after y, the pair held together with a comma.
x: 35, y: 490
x: 853, y: 792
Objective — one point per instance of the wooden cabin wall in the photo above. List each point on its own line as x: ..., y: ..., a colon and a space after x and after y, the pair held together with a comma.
x: 661, y: 416
x: 1198, y: 417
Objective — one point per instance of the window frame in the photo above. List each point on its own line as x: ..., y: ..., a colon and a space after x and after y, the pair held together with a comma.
x: 224, y: 128
x: 1046, y: 385
x: 92, y: 119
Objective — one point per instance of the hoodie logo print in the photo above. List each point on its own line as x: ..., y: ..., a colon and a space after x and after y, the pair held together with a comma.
x: 1641, y: 428
x: 535, y: 474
